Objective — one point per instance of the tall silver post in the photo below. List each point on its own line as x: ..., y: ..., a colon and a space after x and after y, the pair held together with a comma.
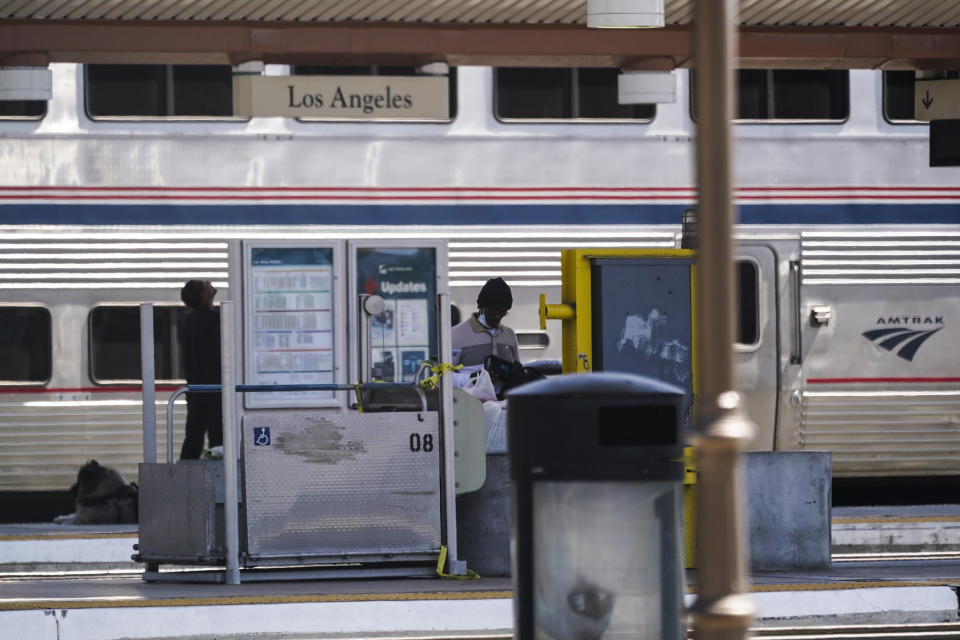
x: 722, y: 610
x: 454, y: 564
x: 149, y: 384
x: 230, y: 444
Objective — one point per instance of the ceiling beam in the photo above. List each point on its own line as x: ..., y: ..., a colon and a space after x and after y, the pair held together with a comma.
x: 181, y: 42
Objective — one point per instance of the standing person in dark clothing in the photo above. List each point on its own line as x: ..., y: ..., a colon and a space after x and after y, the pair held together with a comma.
x: 200, y: 344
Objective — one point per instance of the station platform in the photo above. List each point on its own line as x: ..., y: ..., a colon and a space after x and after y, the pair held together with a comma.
x: 76, y: 583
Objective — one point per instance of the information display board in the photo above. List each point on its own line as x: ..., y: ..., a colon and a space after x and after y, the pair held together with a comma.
x: 290, y: 321
x: 404, y: 335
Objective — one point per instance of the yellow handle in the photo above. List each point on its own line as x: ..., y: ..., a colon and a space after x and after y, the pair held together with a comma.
x: 554, y: 312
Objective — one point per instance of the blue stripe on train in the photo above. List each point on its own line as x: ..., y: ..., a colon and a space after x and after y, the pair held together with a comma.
x: 501, y: 214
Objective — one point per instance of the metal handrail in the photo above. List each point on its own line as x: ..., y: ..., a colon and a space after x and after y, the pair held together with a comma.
x: 216, y: 388
x: 173, y: 396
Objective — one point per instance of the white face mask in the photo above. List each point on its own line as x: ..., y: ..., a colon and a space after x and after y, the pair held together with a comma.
x: 483, y: 321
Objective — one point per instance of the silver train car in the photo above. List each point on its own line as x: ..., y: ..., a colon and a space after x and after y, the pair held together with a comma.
x: 849, y: 241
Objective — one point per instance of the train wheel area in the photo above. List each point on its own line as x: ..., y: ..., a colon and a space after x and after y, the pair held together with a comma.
x: 34, y: 506
x: 895, y: 491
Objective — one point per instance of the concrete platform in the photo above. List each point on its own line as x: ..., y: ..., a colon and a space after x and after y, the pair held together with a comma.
x: 53, y: 547
x: 933, y: 529
x: 130, y: 608
x: 855, y: 531
x: 106, y: 600
x: 121, y: 608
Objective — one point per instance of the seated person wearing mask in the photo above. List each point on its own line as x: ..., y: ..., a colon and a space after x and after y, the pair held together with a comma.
x: 483, y: 334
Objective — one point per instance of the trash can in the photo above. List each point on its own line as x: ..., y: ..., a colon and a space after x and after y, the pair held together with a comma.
x: 596, y: 462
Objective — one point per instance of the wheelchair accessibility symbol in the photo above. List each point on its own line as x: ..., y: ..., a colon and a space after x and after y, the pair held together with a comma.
x: 261, y: 436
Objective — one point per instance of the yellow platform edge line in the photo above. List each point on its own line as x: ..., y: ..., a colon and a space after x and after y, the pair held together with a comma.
x: 33, y: 605
x: 838, y: 586
x: 66, y: 536
x: 24, y: 605
x: 884, y: 520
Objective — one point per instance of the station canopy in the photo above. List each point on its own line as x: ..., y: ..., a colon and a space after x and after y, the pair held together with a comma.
x: 841, y: 34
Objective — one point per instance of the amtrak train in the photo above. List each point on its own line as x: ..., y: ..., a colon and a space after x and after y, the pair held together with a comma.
x: 848, y: 251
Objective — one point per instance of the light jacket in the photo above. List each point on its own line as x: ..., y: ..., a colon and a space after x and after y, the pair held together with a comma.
x: 472, y: 342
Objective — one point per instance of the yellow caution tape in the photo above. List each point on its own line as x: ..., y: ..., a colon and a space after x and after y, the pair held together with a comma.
x: 356, y: 388
x: 442, y: 560
x: 438, y: 370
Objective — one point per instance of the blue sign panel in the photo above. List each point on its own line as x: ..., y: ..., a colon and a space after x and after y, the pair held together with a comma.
x: 261, y: 436
x: 404, y: 335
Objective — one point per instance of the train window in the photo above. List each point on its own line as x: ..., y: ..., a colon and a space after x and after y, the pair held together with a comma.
x: 378, y: 70
x: 115, y: 343
x: 898, y: 103
x: 898, y: 96
x: 159, y: 91
x: 788, y: 94
x: 22, y: 109
x: 748, y: 303
x: 537, y: 93
x: 25, y: 351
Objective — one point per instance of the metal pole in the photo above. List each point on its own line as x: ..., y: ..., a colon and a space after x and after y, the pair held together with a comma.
x: 230, y: 445
x: 454, y: 564
x: 149, y: 389
x: 722, y: 610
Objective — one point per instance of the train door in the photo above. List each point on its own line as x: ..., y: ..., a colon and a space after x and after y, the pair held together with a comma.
x: 756, y: 341
x: 879, y: 352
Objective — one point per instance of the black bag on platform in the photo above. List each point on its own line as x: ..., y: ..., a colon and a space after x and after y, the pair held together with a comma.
x: 512, y: 374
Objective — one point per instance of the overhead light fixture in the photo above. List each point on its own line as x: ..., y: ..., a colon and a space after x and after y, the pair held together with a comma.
x: 249, y: 68
x: 26, y: 83
x: 624, y: 14
x: 646, y: 87
x: 434, y: 69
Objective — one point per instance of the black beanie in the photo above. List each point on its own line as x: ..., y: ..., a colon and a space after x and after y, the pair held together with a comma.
x: 495, y: 292
x: 190, y: 293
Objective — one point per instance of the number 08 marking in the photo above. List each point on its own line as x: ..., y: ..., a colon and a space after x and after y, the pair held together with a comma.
x: 421, y: 443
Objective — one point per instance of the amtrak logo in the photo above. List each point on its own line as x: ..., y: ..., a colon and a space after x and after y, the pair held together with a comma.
x: 906, y: 336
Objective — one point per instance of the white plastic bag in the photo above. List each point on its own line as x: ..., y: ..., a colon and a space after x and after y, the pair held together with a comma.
x: 461, y: 376
x: 480, y: 386
x: 495, y: 418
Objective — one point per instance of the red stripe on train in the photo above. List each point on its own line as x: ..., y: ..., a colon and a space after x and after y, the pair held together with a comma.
x: 131, y: 389
x: 254, y: 197
x: 452, y: 196
x: 160, y: 189
x: 382, y: 189
x: 871, y: 380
